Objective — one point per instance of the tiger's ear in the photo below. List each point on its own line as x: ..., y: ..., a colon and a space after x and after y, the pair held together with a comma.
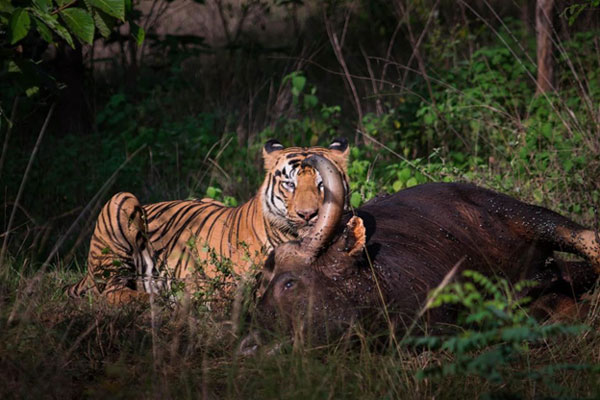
x: 342, y: 151
x: 270, y: 151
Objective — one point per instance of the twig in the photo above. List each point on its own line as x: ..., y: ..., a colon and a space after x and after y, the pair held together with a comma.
x: 23, y: 210
x: 58, y: 244
x: 415, y: 53
x: 400, y: 156
x: 11, y: 123
x: 512, y: 51
x: 223, y: 18
x: 433, y: 294
x: 378, y: 106
x: 78, y: 341
x: 23, y: 182
x: 64, y: 6
x: 340, y: 57
x: 388, y: 53
x: 88, y: 206
x: 416, y: 44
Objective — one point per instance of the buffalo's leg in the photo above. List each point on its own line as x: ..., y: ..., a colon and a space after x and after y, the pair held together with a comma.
x: 561, y: 289
x: 536, y: 224
x: 559, y: 307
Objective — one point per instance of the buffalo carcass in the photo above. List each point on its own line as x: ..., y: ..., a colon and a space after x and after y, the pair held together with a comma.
x: 396, y: 248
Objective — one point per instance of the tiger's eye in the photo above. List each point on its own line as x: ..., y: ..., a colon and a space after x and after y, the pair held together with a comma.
x: 290, y: 186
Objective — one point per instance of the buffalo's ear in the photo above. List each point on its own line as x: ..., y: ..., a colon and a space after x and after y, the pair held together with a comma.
x: 340, y: 259
x: 355, y: 236
x: 270, y: 152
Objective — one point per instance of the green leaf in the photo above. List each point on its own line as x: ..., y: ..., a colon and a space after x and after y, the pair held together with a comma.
x: 104, y: 22
x: 398, y: 185
x: 115, y: 8
x: 137, y: 32
x: 212, y: 192
x: 43, y: 5
x: 310, y: 101
x: 43, y: 30
x: 547, y: 130
x: 32, y: 91
x: 52, y: 22
x: 355, y: 199
x: 18, y: 25
x: 411, y: 182
x: 404, y: 174
x: 429, y: 118
x: 298, y: 82
x: 61, y: 3
x: 80, y: 22
x: 13, y: 67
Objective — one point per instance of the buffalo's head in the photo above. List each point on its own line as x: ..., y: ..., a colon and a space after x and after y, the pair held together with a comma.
x: 309, y: 286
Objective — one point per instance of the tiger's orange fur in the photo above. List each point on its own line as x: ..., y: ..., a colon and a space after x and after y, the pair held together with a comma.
x: 136, y: 250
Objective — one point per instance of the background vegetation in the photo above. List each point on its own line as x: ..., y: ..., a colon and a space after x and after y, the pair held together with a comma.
x: 98, y: 97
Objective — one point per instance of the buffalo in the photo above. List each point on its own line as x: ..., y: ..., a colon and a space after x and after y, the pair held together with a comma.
x: 377, y: 265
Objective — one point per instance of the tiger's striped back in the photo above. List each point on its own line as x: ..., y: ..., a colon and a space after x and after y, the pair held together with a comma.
x: 144, y: 249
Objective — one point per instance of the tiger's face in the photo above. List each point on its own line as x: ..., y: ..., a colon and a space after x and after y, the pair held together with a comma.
x: 291, y: 193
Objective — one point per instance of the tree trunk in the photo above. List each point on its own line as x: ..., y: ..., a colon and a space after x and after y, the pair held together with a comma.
x: 545, y: 62
x: 72, y: 113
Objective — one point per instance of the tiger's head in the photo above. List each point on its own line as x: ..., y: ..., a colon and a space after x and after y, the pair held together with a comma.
x: 291, y: 194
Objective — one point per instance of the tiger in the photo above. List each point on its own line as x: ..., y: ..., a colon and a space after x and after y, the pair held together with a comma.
x: 136, y: 250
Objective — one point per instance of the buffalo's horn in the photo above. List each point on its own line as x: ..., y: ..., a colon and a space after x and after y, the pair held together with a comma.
x: 330, y: 211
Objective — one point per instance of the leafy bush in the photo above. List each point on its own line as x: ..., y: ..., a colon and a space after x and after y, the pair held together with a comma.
x: 496, y: 332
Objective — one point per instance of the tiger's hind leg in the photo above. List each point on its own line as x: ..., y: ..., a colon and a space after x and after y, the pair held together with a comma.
x: 119, y: 252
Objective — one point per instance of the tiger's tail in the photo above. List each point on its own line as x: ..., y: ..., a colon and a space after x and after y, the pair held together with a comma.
x: 80, y: 288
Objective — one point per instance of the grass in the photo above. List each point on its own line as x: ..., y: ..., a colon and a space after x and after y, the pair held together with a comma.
x: 54, y: 347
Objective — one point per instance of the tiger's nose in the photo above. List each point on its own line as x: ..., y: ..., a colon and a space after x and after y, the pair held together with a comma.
x: 307, y: 215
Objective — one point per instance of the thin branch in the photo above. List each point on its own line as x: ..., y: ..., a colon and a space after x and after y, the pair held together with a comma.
x: 23, y: 182
x: 338, y: 53
x: 11, y: 123
x: 64, y: 6
x: 38, y: 276
x: 87, y: 207
x: 378, y: 106
x: 416, y: 44
x: 219, y: 4
x: 389, y: 52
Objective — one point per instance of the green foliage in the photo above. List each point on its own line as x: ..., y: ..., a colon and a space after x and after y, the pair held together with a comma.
x: 496, y: 332
x: 18, y: 25
x: 574, y: 10
x: 217, y: 194
x: 79, y: 21
x: 312, y: 121
x: 115, y: 8
x: 52, y: 22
